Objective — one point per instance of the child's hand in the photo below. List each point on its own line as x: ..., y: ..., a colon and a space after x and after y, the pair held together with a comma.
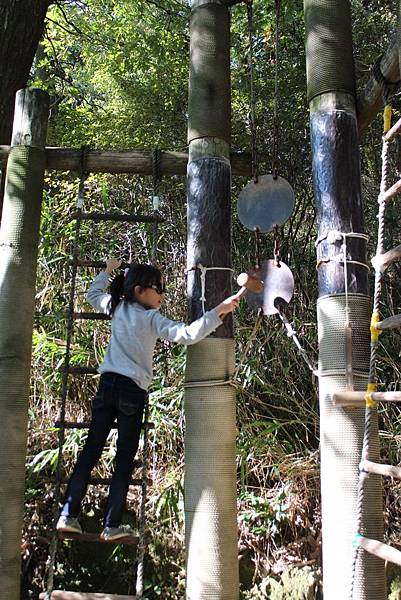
x: 112, y: 264
x: 228, y: 305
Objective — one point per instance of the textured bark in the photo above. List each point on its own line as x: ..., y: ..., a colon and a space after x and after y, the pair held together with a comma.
x: 21, y: 27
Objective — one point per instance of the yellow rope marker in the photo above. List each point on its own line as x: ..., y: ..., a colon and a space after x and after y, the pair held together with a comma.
x: 374, y: 332
x: 387, y: 113
x: 370, y: 403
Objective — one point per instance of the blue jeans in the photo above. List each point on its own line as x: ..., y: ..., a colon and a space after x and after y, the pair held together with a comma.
x: 118, y: 397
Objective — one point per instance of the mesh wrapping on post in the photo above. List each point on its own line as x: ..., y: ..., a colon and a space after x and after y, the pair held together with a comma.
x: 210, y: 474
x: 329, y: 56
x: 209, y: 77
x: 18, y: 253
x: 341, y: 445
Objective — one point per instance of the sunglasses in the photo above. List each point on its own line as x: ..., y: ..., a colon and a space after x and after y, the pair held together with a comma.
x: 160, y: 289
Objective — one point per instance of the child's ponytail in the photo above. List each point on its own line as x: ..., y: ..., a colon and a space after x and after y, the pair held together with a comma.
x: 116, y: 292
x: 123, y: 285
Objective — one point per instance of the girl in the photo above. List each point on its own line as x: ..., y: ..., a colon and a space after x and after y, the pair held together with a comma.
x: 126, y: 373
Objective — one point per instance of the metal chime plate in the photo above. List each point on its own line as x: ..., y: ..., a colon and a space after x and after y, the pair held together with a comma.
x: 278, y: 284
x: 265, y: 204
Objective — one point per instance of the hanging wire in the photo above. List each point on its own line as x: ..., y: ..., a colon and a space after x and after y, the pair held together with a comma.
x: 276, y: 94
x: 258, y: 264
x: 252, y: 114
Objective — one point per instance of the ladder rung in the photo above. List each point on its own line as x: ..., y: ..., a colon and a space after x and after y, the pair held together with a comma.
x: 379, y: 469
x: 393, y: 131
x: 91, y: 316
x: 383, y: 551
x: 357, y: 399
x: 64, y: 595
x: 392, y: 191
x: 79, y: 370
x: 115, y: 216
x: 389, y: 323
x: 85, y: 425
x: 384, y: 260
x: 97, y: 264
x: 107, y: 480
x: 95, y: 537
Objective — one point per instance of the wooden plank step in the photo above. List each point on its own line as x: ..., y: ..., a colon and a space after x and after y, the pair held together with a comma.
x: 90, y: 316
x: 382, y: 261
x: 392, y: 191
x: 393, y: 322
x: 396, y: 128
x: 383, y: 551
x: 85, y: 536
x: 380, y: 469
x: 107, y: 480
x: 117, y: 217
x: 79, y: 370
x: 357, y: 399
x: 97, y: 264
x: 85, y: 425
x: 64, y: 595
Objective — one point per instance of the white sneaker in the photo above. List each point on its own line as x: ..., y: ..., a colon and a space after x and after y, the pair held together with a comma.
x: 115, y: 533
x: 68, y: 525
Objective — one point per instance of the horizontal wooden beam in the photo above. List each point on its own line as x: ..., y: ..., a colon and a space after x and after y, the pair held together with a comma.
x: 382, y: 261
x: 137, y: 162
x: 64, y: 595
x: 383, y: 551
x: 370, y: 100
x: 357, y: 399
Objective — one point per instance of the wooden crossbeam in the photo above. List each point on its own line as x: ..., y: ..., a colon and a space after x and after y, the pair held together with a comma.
x: 379, y: 469
x: 357, y: 399
x: 382, y: 261
x: 383, y: 551
x: 116, y: 217
x: 64, y: 595
x: 395, y: 130
x: 85, y: 536
x: 137, y: 162
x: 392, y: 191
x: 393, y: 322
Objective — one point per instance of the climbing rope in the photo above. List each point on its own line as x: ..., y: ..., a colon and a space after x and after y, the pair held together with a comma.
x: 370, y: 406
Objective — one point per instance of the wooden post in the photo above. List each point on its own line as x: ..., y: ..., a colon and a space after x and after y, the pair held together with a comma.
x: 336, y: 175
x: 19, y: 237
x: 210, y: 471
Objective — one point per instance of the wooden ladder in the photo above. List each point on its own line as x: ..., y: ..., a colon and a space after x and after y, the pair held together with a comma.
x: 62, y: 425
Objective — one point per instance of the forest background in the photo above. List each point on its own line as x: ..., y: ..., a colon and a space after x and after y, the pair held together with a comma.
x: 117, y: 75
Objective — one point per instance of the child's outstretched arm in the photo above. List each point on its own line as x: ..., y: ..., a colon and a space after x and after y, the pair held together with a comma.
x: 96, y: 295
x: 190, y: 334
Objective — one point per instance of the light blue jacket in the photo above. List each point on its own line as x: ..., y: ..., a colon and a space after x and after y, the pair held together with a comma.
x: 135, y: 329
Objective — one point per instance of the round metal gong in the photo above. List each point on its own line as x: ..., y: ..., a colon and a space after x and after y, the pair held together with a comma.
x: 278, y: 287
x: 265, y: 204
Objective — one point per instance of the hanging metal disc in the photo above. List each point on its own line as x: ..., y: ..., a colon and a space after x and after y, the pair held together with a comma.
x: 265, y: 204
x: 278, y: 287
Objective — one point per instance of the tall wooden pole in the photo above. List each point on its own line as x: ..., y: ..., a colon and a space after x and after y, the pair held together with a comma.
x: 19, y: 237
x: 210, y: 471
x: 336, y: 174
